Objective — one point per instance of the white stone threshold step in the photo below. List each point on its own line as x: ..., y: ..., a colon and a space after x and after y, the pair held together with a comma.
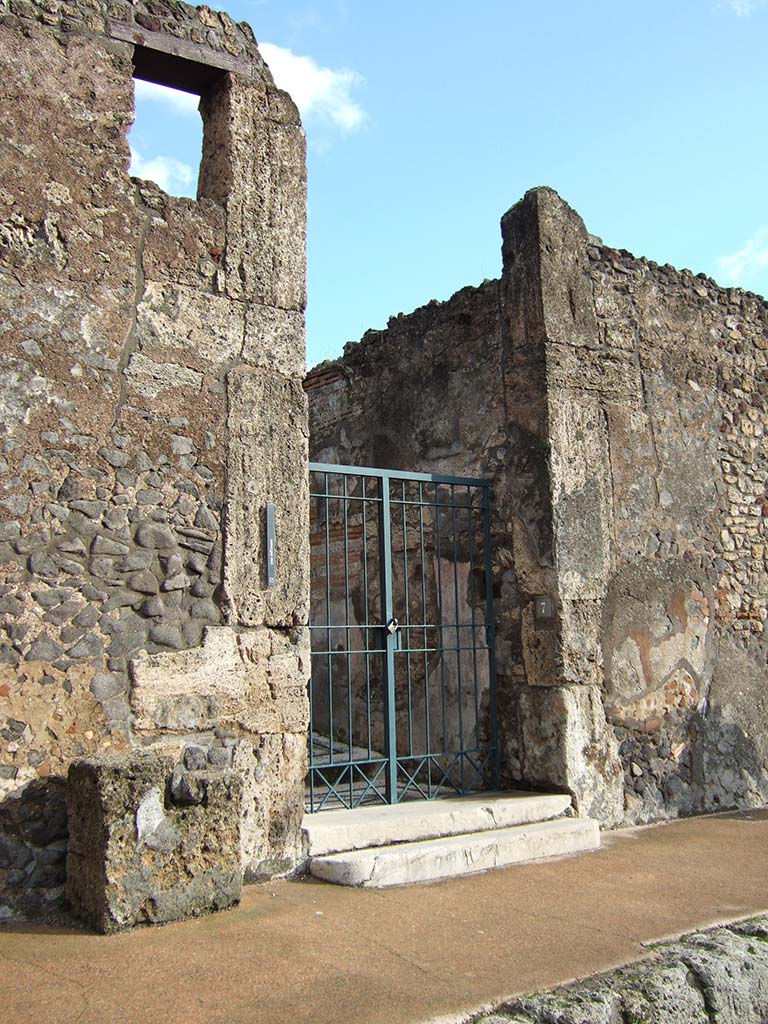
x: 337, y: 831
x: 453, y: 856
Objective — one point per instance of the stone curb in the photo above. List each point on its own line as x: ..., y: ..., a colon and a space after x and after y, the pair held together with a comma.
x: 717, y: 976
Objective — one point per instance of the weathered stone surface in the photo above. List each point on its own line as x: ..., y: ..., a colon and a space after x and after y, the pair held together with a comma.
x: 718, y: 976
x: 136, y: 857
x: 335, y: 831
x: 125, y: 310
x: 567, y: 743
x: 265, y: 263
x: 268, y: 463
x: 33, y: 833
x: 274, y: 339
x: 273, y: 770
x: 621, y: 421
x: 195, y: 758
x: 253, y: 681
x: 405, y: 863
x: 735, y: 732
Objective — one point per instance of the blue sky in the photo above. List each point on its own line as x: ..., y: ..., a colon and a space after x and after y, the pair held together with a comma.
x: 427, y: 119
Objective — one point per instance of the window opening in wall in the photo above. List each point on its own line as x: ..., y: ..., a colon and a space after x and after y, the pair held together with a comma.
x: 181, y: 134
x: 166, y: 137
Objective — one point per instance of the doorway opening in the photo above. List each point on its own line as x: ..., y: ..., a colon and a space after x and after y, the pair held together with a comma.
x: 402, y: 689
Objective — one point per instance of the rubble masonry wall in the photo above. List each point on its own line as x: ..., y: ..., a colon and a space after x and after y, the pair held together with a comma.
x: 151, y: 405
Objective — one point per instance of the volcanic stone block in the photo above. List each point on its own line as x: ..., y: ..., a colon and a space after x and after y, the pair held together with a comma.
x: 264, y: 262
x: 273, y: 770
x: 569, y: 745
x: 267, y: 464
x: 274, y: 339
x: 252, y: 681
x: 135, y: 857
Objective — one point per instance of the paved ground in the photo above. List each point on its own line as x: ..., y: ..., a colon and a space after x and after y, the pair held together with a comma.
x: 308, y: 953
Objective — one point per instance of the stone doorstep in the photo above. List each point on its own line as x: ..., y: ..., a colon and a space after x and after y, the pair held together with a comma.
x: 452, y: 856
x: 338, y: 831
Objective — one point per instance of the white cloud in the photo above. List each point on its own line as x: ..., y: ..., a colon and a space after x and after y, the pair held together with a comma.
x: 184, y: 103
x: 317, y: 92
x: 743, y: 8
x: 173, y: 176
x: 748, y: 266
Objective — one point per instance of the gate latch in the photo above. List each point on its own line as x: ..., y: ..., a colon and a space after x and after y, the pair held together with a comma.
x: 392, y: 626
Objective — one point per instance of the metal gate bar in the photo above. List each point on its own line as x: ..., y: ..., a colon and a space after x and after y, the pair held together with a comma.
x: 384, y: 625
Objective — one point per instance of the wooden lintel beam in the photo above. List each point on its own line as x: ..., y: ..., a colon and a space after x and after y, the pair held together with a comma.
x: 182, y: 52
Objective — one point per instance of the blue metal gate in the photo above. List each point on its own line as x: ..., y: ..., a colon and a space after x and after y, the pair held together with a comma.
x: 402, y: 690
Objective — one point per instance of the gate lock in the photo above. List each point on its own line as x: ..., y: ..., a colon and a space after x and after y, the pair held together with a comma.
x: 392, y: 628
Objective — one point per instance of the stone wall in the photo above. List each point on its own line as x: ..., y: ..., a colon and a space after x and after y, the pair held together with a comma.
x: 153, y: 350
x: 460, y: 388
x: 618, y: 408
x: 684, y: 405
x: 408, y: 398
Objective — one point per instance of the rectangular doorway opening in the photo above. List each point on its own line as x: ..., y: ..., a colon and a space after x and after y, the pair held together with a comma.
x: 402, y: 689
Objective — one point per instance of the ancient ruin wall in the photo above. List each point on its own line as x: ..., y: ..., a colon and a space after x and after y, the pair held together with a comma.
x: 462, y: 387
x: 621, y: 420
x: 152, y: 405
x: 684, y: 621
x: 404, y: 398
x: 458, y: 388
x: 657, y: 391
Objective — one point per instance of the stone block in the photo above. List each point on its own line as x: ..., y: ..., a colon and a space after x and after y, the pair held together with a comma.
x: 267, y: 464
x: 581, y: 497
x: 273, y: 769
x: 735, y: 732
x: 170, y: 318
x: 337, y: 831
x: 569, y: 745
x: 184, y: 242
x: 274, y: 339
x: 252, y: 681
x: 265, y: 257
x: 542, y: 649
x: 429, y: 860
x: 135, y: 857
x: 565, y: 287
